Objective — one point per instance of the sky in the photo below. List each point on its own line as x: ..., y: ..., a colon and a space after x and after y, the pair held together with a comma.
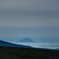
x: 30, y: 18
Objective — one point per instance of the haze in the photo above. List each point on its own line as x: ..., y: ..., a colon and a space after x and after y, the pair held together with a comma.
x: 36, y: 19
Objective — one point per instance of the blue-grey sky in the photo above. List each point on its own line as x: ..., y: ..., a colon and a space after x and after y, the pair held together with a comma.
x: 29, y: 18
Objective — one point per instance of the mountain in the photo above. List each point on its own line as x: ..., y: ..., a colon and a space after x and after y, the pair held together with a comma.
x: 26, y: 40
x: 3, y: 43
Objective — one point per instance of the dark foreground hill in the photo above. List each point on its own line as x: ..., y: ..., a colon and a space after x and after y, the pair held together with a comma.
x: 27, y: 53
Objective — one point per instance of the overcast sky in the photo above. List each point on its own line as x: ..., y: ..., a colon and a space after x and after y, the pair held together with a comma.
x: 29, y: 13
x: 36, y: 19
x: 30, y: 18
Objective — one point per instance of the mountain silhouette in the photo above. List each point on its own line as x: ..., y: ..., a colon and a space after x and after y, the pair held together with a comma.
x: 4, y: 43
x: 26, y: 40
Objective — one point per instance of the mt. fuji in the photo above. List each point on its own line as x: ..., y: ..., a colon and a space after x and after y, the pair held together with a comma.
x: 26, y: 40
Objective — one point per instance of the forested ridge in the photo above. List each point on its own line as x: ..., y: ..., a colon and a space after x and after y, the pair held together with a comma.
x: 27, y: 53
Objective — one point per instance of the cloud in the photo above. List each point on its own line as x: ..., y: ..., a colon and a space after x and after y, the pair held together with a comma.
x: 42, y: 45
x: 29, y: 32
x: 29, y: 14
x: 36, y: 4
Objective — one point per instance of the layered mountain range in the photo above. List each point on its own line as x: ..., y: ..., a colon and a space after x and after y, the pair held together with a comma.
x: 4, y: 43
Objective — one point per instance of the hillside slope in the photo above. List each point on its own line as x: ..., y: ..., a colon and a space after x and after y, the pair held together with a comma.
x: 3, y: 43
x: 27, y: 53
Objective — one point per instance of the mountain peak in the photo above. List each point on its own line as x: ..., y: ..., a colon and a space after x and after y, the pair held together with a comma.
x: 26, y: 40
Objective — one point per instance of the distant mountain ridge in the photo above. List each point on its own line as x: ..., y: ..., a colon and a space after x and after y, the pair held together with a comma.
x: 26, y: 40
x: 4, y: 43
